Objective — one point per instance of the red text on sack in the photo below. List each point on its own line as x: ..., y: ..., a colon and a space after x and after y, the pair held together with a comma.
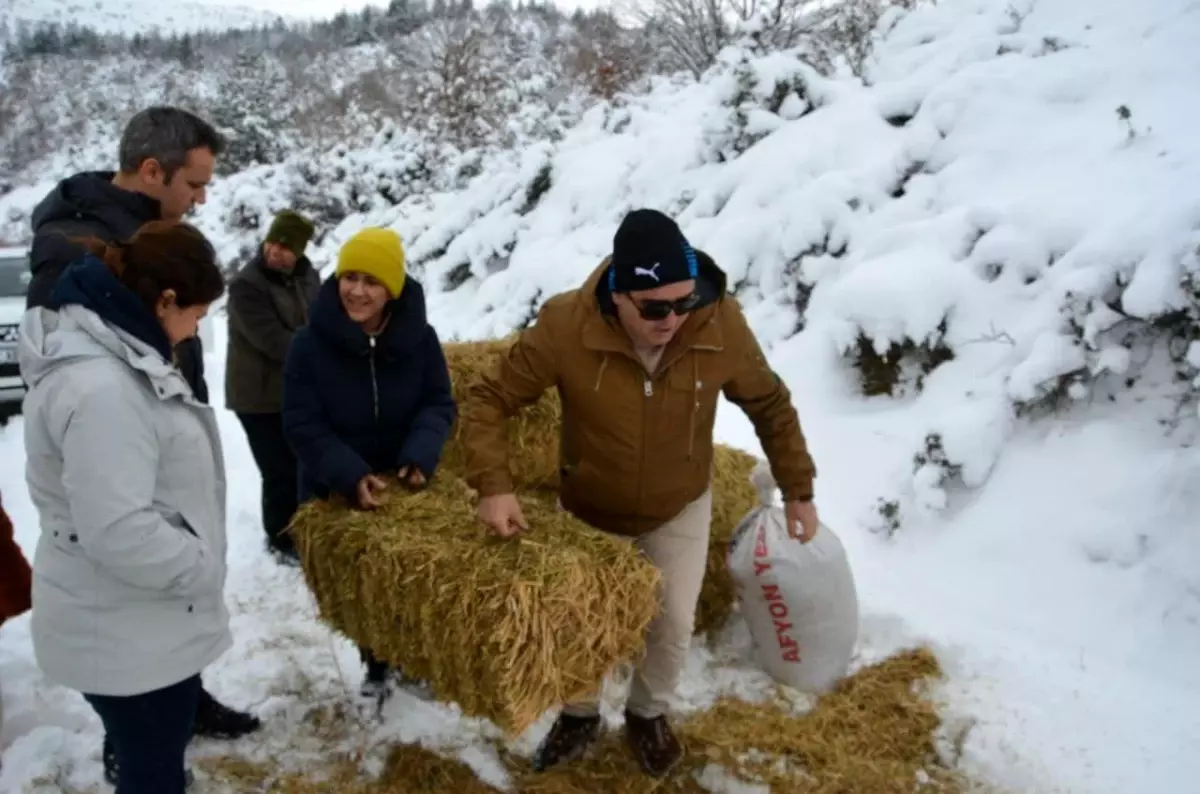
x: 775, y: 604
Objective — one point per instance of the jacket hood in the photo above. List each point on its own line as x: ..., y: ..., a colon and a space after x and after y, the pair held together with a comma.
x: 405, y: 329
x: 52, y: 339
x: 711, y: 283
x: 88, y: 283
x: 92, y: 195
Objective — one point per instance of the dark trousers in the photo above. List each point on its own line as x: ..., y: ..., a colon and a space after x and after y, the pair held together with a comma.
x: 150, y: 734
x: 277, y: 465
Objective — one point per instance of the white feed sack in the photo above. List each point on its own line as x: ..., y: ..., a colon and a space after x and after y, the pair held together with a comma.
x: 798, y: 599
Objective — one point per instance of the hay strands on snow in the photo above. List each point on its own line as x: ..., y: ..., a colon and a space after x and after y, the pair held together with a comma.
x: 875, y: 733
x: 505, y: 629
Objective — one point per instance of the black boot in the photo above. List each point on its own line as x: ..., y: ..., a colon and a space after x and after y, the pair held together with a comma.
x: 284, y: 553
x: 653, y: 744
x: 217, y: 721
x: 376, y: 688
x: 569, y: 738
x: 109, y: 757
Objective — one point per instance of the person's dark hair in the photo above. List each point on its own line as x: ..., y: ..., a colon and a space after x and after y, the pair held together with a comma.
x: 161, y: 256
x: 166, y: 134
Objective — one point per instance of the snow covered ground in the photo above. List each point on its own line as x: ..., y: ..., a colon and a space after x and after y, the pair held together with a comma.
x: 1005, y: 157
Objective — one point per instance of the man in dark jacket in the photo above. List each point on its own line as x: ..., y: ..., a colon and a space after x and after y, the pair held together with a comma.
x: 268, y: 303
x: 166, y: 158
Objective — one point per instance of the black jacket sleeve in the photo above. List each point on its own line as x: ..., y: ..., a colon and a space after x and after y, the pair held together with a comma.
x: 51, y: 252
x: 431, y: 427
x: 329, y: 460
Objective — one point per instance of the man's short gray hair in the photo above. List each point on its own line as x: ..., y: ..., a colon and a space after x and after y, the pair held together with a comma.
x: 166, y: 134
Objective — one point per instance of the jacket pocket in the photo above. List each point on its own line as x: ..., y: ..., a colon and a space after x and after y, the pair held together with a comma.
x: 583, y: 485
x: 176, y: 519
x: 679, y: 422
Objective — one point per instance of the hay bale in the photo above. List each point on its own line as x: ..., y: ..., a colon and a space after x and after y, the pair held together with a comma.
x: 533, y: 454
x: 733, y: 497
x: 505, y: 629
x: 533, y: 434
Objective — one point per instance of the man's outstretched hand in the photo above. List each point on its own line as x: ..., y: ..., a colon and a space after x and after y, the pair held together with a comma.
x: 502, y: 515
x: 802, y: 520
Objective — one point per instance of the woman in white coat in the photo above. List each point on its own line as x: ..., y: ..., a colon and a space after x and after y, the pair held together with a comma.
x: 125, y: 468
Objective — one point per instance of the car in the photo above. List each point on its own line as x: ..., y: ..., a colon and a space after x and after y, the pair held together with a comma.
x: 14, y: 284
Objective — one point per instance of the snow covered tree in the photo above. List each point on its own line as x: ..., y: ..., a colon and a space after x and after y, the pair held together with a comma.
x: 251, y: 111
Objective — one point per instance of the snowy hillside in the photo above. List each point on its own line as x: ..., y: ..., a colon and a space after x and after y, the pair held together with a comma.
x: 461, y: 86
x: 977, y: 272
x: 133, y: 16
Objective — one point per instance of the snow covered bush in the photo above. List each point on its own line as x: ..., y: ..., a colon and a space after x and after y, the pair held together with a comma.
x: 901, y: 367
x: 1119, y: 327
x: 767, y: 93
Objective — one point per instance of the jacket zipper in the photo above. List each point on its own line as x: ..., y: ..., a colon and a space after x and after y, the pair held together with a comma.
x: 647, y: 392
x: 374, y: 382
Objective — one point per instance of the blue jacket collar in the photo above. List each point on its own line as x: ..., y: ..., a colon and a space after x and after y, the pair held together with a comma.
x: 89, y: 283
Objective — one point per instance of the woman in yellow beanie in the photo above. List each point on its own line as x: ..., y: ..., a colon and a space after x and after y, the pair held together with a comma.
x: 366, y: 395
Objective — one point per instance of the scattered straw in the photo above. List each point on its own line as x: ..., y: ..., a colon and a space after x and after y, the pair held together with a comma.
x: 532, y: 434
x: 733, y: 497
x: 609, y: 768
x: 873, y: 734
x: 413, y: 769
x: 505, y: 629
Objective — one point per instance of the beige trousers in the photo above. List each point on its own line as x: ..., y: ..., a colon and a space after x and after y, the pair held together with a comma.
x: 679, y: 549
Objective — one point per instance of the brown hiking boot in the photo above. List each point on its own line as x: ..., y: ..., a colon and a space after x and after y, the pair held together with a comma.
x: 653, y: 744
x: 568, y: 739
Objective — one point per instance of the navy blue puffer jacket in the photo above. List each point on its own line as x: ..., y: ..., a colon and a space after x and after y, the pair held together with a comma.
x: 355, y: 405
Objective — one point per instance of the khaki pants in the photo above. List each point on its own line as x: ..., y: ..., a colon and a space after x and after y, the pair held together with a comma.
x: 679, y: 548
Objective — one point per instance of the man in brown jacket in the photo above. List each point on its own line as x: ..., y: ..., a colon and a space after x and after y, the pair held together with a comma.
x: 268, y: 303
x: 639, y: 355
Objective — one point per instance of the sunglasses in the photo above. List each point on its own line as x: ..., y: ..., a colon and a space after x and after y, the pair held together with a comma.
x: 660, y: 309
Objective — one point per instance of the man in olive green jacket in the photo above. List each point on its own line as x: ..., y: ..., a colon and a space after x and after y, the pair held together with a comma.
x: 268, y: 303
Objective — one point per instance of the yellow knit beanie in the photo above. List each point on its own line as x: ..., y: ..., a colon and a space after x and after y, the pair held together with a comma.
x: 379, y: 253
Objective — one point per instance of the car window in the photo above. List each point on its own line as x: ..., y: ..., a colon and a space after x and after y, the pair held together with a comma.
x: 14, y: 276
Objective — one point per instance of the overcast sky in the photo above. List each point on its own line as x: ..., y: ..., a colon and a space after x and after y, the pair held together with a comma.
x: 327, y: 8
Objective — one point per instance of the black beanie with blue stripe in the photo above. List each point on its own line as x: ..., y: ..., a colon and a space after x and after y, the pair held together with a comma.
x: 650, y: 251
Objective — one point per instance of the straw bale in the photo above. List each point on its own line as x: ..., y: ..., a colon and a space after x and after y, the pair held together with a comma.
x: 534, y: 446
x: 505, y: 629
x: 533, y: 434
x: 733, y: 497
